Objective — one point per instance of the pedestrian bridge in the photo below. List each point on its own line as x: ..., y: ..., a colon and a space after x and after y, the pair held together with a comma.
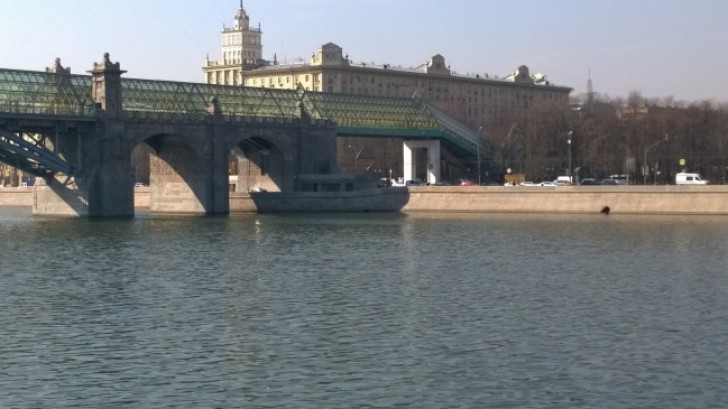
x: 82, y: 126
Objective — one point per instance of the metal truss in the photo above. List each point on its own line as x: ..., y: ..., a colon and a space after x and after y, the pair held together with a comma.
x: 29, y: 92
x: 29, y: 154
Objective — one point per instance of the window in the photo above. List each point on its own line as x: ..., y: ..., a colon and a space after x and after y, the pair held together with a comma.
x: 330, y: 187
x: 309, y: 187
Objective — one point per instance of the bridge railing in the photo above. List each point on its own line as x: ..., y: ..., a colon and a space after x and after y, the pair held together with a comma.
x: 232, y: 118
x: 36, y: 108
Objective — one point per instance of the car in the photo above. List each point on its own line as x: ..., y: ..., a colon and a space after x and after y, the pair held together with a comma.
x: 609, y: 182
x: 466, y: 182
x: 589, y: 182
x: 545, y: 183
x: 684, y: 178
x: 140, y: 185
x: 620, y: 179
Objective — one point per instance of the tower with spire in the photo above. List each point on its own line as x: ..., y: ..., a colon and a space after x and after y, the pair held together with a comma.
x: 242, y: 49
x: 589, y: 94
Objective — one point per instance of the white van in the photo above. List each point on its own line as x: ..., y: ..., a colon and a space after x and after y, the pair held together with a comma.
x: 618, y: 179
x: 689, y: 179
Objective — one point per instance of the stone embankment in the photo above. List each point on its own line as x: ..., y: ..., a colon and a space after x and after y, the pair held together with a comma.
x: 677, y: 200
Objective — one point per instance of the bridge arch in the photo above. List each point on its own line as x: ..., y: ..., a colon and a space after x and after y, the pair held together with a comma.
x: 180, y: 174
x: 256, y: 163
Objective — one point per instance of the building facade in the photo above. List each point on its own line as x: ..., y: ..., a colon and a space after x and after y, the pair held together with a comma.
x: 242, y: 50
x: 474, y: 99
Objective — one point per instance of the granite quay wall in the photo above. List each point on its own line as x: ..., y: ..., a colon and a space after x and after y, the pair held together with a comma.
x: 678, y: 200
x: 16, y: 196
x: 23, y: 196
x: 242, y: 203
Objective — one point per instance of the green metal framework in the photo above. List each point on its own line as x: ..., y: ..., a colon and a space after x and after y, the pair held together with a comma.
x: 30, y: 92
x: 184, y: 97
x: 356, y: 115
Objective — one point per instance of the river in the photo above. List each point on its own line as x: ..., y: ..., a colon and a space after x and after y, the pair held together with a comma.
x: 366, y: 311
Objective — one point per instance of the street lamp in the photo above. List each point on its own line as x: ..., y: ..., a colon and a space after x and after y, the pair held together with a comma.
x: 646, y: 168
x: 356, y: 155
x: 568, y: 141
x: 479, y: 129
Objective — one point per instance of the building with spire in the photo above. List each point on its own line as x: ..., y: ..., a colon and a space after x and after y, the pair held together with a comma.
x: 242, y: 49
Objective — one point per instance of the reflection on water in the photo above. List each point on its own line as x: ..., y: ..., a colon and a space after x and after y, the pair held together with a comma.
x: 422, y: 311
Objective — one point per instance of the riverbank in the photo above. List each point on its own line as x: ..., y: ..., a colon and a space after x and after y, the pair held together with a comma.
x: 658, y: 200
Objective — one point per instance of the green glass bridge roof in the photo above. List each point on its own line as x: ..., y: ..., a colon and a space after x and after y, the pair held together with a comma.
x: 62, y: 94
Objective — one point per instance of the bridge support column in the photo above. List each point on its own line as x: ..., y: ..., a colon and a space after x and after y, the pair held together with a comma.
x: 433, y: 172
x: 105, y: 186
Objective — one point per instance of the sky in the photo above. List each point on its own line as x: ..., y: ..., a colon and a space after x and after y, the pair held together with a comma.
x: 659, y: 48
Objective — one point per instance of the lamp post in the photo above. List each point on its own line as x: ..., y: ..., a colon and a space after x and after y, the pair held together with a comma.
x: 356, y: 156
x: 646, y: 168
x: 479, y: 129
x: 568, y: 141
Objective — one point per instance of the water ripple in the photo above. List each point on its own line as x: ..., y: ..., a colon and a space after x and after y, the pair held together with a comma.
x: 371, y: 311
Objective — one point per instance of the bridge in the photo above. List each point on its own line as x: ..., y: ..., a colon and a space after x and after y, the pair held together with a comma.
x: 76, y: 133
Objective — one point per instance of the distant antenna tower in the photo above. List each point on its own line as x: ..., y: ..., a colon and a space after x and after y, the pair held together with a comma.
x: 589, y: 93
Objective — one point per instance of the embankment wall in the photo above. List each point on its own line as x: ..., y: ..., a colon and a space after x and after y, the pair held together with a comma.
x: 678, y: 200
x: 570, y: 199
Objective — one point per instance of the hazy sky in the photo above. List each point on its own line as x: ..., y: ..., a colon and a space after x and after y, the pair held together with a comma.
x: 659, y: 48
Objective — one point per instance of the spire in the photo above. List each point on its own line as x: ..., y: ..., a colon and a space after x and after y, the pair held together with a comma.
x: 589, y: 90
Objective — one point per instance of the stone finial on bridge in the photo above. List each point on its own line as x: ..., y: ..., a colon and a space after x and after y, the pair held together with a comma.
x: 106, y: 86
x: 107, y: 65
x: 300, y: 112
x: 214, y: 107
x: 57, y: 68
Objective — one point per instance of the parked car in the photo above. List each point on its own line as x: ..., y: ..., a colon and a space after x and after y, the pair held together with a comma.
x: 412, y: 182
x: 563, y: 180
x: 620, y: 179
x: 609, y: 182
x: 466, y: 182
x: 589, y: 182
x: 684, y: 178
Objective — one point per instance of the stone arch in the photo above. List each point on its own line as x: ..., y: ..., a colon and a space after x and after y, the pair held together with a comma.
x: 256, y: 163
x: 179, y: 179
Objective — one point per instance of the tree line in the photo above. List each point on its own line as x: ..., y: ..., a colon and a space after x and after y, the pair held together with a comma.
x: 648, y: 139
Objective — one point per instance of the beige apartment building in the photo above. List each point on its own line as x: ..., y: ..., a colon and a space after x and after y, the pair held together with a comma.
x: 473, y: 98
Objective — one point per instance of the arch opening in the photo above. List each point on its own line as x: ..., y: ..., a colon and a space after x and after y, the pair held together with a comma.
x: 255, y: 165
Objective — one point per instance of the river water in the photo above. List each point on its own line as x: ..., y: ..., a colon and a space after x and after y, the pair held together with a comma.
x: 365, y: 311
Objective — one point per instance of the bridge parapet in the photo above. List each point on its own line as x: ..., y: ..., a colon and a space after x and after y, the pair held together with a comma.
x: 232, y: 119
